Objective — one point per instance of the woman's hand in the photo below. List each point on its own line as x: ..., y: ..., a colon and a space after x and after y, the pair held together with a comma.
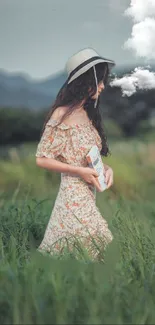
x: 109, y: 178
x: 90, y: 176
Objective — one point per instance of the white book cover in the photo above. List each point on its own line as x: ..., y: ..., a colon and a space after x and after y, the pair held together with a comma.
x: 95, y: 161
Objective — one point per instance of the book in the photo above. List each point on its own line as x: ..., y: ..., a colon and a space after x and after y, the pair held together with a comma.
x: 95, y: 161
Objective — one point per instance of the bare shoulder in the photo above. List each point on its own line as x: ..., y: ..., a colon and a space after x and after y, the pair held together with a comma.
x: 59, y: 112
x: 72, y: 118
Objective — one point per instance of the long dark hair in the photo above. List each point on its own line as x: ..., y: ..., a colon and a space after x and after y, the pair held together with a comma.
x: 78, y: 90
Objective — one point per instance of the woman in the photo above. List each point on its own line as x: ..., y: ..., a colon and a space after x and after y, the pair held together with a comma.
x: 75, y: 219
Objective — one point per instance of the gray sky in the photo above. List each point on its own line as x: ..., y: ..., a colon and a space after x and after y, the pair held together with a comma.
x: 38, y: 36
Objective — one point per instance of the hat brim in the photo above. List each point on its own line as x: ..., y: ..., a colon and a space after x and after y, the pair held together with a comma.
x: 110, y: 63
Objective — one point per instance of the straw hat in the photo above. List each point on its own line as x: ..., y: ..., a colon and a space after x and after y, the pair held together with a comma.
x: 82, y: 61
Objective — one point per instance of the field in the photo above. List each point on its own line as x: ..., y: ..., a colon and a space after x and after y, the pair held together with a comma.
x: 37, y: 289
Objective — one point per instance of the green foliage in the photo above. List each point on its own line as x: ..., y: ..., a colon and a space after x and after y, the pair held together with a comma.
x: 132, y: 162
x: 44, y: 289
x: 128, y: 113
x: 20, y: 125
x: 38, y: 288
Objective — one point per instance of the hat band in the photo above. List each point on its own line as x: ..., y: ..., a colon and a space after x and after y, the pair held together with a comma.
x: 84, y: 64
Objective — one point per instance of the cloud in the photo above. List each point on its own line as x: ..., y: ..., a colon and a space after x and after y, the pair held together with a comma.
x: 140, y: 9
x: 140, y: 78
x: 142, y: 40
x: 142, y: 43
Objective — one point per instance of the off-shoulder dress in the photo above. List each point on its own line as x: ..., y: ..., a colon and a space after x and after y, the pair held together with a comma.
x: 75, y: 218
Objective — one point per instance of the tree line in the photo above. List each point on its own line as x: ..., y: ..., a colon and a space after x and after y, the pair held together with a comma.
x: 24, y: 125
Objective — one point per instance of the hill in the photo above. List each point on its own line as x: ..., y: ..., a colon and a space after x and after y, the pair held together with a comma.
x: 20, y: 90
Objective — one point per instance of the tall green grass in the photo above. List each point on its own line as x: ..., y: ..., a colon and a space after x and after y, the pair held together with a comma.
x: 39, y: 288
x: 44, y: 289
x: 132, y: 162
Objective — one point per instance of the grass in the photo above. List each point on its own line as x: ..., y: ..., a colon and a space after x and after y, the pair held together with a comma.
x: 132, y: 162
x: 40, y: 289
x: 66, y: 289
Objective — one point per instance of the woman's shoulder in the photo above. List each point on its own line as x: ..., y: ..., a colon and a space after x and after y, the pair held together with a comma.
x: 56, y: 117
x: 59, y: 112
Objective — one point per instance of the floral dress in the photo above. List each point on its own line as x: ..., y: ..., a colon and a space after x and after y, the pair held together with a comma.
x: 75, y: 220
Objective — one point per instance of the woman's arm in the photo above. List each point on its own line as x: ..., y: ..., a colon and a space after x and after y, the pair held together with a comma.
x: 88, y: 174
x: 58, y: 166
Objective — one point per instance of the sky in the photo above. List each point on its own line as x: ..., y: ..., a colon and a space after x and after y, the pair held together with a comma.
x: 38, y: 36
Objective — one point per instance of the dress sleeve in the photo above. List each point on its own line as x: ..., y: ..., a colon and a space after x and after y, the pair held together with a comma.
x: 53, y: 140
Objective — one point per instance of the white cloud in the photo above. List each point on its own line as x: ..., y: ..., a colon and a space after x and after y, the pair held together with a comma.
x: 140, y: 78
x: 140, y: 9
x: 142, y: 40
x: 142, y: 43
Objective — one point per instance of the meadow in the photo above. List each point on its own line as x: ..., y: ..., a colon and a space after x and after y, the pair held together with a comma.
x: 40, y: 289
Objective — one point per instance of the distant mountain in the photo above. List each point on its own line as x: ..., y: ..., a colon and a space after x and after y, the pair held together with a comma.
x: 20, y: 90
